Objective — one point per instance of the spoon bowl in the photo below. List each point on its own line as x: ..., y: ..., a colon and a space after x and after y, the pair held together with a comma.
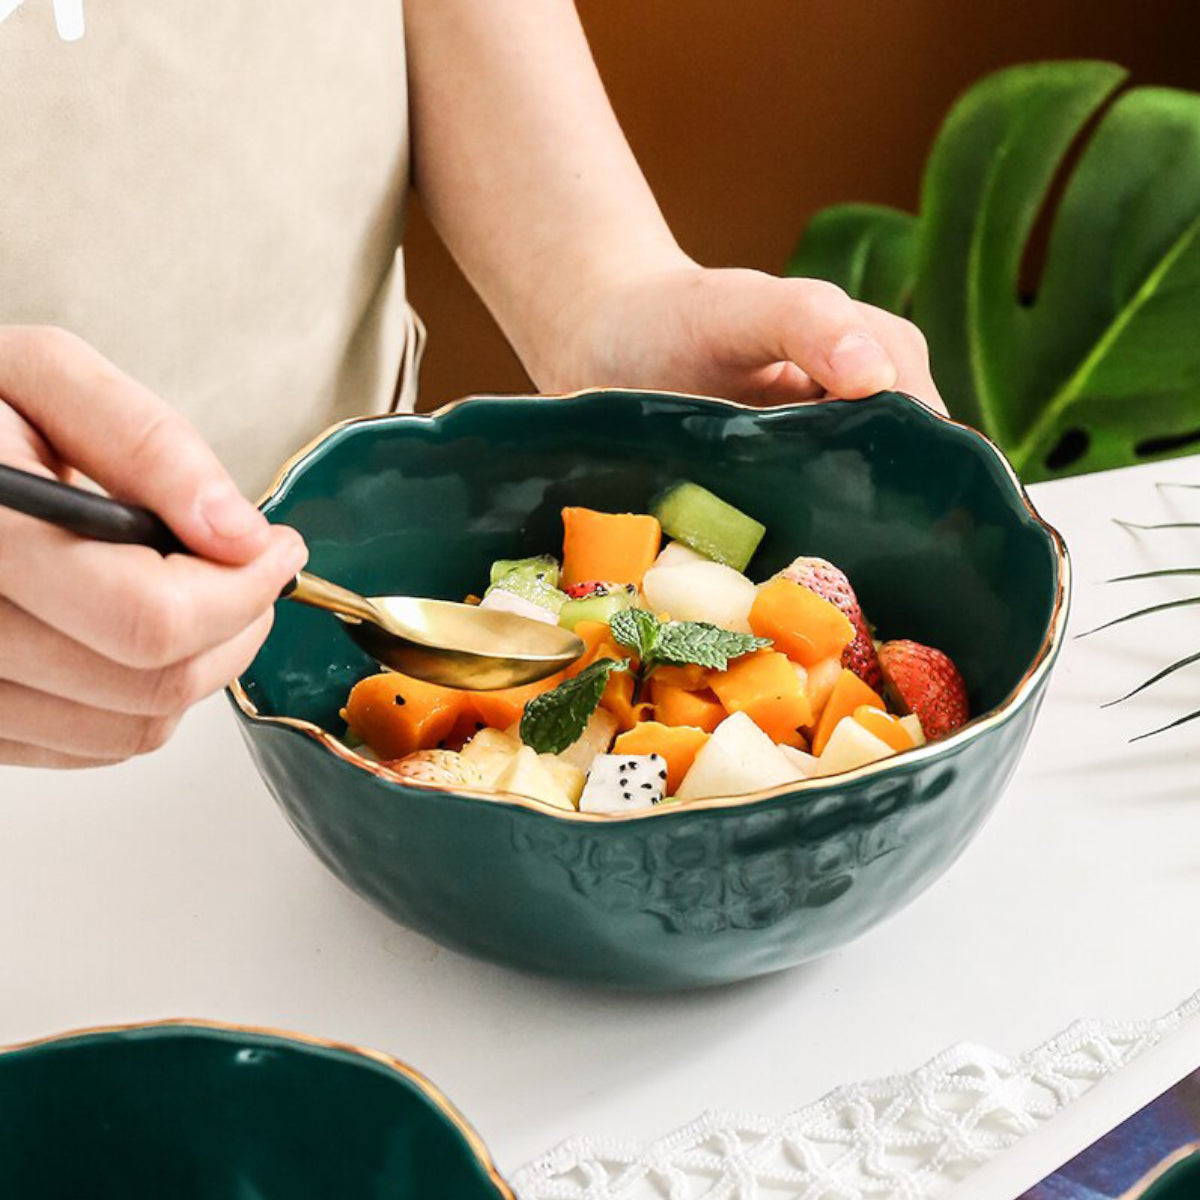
x: 455, y: 645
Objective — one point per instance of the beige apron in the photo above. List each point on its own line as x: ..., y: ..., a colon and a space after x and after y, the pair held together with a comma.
x: 211, y: 192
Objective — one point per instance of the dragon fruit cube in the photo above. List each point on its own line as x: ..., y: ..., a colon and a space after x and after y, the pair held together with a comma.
x: 622, y: 782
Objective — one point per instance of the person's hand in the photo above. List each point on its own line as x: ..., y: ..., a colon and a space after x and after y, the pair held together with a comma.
x: 738, y: 334
x: 103, y: 647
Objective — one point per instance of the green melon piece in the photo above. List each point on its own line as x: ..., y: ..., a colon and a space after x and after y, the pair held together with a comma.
x: 707, y: 524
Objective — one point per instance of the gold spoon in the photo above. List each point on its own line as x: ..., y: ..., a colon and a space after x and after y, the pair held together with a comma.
x: 455, y: 645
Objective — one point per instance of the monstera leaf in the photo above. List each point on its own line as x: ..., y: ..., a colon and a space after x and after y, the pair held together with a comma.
x: 1097, y: 364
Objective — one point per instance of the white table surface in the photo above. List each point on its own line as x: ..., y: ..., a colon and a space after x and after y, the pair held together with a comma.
x: 171, y: 886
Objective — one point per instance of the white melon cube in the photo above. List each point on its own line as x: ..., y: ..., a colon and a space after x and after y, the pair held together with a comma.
x: 738, y: 758
x: 527, y: 775
x: 851, y: 746
x: 804, y: 762
x: 912, y: 723
x: 490, y: 751
x: 568, y: 776
x: 623, y: 782
x: 701, y: 591
x: 499, y: 600
x: 676, y: 554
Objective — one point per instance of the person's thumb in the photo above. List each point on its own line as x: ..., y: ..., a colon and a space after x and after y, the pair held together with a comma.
x: 121, y: 435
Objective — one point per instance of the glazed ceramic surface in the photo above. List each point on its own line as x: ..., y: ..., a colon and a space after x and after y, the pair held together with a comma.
x: 923, y: 514
x: 196, y: 1112
x: 1179, y: 1182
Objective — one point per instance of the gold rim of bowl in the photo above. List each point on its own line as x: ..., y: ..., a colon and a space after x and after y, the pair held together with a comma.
x: 426, y: 1087
x: 973, y: 728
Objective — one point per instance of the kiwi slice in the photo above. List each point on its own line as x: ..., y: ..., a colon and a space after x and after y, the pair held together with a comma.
x: 540, y: 565
x: 601, y: 607
x: 533, y: 579
x: 707, y: 524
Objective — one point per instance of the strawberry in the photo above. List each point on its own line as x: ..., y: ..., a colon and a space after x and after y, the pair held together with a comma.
x: 922, y: 680
x: 830, y: 583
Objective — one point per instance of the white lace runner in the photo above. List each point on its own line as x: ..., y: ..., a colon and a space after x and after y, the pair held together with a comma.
x: 910, y: 1137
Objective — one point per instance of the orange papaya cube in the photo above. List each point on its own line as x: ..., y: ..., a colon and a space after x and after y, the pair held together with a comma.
x: 822, y: 677
x: 502, y: 708
x: 597, y: 637
x: 801, y: 624
x: 690, y: 678
x: 465, y: 728
x: 678, y: 706
x: 884, y: 726
x: 618, y: 699
x: 849, y: 694
x: 608, y: 547
x: 397, y: 715
x: 678, y: 745
x: 770, y: 691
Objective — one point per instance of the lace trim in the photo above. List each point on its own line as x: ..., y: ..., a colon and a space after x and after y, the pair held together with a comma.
x: 909, y: 1137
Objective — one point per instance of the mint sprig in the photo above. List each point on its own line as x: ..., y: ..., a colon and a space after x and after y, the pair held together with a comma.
x: 556, y: 719
x: 681, y: 643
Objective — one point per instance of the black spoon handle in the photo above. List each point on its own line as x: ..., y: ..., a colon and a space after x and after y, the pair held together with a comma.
x: 91, y: 516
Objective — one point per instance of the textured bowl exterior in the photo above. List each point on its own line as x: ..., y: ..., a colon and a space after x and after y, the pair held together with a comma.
x: 202, y: 1112
x: 924, y: 515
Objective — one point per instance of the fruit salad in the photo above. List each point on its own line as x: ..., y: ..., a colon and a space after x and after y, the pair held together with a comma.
x: 696, y: 682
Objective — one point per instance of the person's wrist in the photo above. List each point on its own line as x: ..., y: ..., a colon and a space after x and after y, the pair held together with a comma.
x: 577, y: 341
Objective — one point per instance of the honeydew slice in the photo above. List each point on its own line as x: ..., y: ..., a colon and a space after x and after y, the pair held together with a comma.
x: 707, y: 524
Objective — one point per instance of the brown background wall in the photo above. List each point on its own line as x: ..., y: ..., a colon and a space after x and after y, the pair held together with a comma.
x: 748, y: 115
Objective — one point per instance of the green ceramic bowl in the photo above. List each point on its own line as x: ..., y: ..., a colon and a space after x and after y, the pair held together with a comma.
x: 195, y: 1111
x: 1180, y: 1180
x: 924, y: 514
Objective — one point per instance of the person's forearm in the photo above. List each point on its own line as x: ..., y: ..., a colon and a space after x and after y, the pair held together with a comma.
x: 522, y: 167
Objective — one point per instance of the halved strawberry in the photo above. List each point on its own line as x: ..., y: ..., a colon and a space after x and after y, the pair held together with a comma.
x: 830, y: 583
x: 922, y: 680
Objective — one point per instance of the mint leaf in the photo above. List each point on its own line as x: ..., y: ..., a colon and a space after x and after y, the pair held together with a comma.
x: 637, y: 630
x: 556, y: 719
x: 680, y: 643
x: 695, y: 643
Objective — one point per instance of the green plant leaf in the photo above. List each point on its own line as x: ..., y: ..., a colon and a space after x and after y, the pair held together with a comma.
x: 1100, y: 365
x: 695, y: 643
x: 636, y: 630
x: 556, y: 719
x: 1143, y: 612
x: 1164, y: 574
x: 866, y: 249
x: 1161, y: 525
x: 1141, y: 687
x: 1163, y: 728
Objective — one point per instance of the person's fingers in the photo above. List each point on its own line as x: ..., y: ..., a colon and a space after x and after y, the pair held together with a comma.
x: 129, y: 604
x: 38, y: 656
x: 36, y: 718
x: 908, y: 349
x: 19, y: 754
x: 129, y: 441
x: 780, y: 383
x: 749, y: 319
